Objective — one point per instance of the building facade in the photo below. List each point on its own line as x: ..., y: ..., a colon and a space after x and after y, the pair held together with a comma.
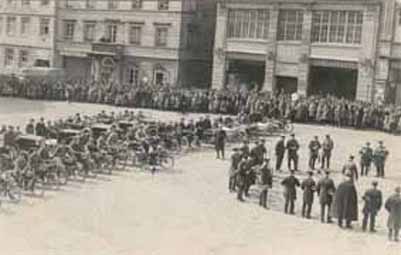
x: 27, y: 34
x: 127, y: 41
x: 309, y: 47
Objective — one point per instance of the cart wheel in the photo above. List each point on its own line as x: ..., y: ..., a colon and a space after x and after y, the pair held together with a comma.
x: 15, y: 193
x: 167, y: 162
x: 289, y: 127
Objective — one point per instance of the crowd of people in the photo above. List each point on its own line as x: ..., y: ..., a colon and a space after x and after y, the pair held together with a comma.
x: 327, y: 110
x: 251, y: 165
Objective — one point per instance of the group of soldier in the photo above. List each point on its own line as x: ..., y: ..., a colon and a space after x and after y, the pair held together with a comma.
x: 251, y: 165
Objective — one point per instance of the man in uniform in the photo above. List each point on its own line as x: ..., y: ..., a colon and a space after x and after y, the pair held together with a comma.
x: 373, y: 202
x: 351, y: 169
x: 325, y: 190
x: 380, y: 155
x: 266, y: 179
x: 366, y: 159
x: 308, y: 186
x: 241, y: 174
x: 314, y: 147
x: 280, y: 151
x: 235, y: 161
x: 393, y: 207
x: 220, y: 141
x: 290, y: 184
x: 292, y: 152
x: 327, y: 147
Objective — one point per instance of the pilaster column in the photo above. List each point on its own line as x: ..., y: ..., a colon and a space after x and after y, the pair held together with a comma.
x: 219, y: 56
x: 304, y: 65
x: 271, y: 51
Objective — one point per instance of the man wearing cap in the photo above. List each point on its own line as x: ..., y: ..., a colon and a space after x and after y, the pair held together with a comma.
x: 30, y: 127
x: 266, y: 181
x: 345, y: 206
x: 373, y: 203
x: 280, y: 151
x: 380, y: 155
x: 325, y: 190
x: 327, y: 147
x: 308, y: 186
x: 366, y: 159
x: 292, y: 155
x: 235, y: 160
x: 393, y: 207
x: 290, y: 185
x: 351, y: 169
x: 241, y: 175
x: 314, y: 148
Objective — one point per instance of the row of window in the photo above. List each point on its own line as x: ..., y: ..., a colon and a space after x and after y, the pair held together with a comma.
x: 115, y: 4
x: 10, y: 56
x: 26, y: 3
x: 25, y: 25
x: 111, y: 32
x: 327, y: 26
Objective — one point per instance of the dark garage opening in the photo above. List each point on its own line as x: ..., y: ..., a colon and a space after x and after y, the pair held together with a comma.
x: 246, y: 72
x: 286, y: 85
x: 339, y: 82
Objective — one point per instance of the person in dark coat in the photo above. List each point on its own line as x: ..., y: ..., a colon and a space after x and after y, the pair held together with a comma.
x: 373, y: 202
x: 345, y: 206
x: 366, y: 159
x: 241, y: 175
x: 266, y: 181
x: 290, y: 184
x: 327, y: 148
x: 40, y: 128
x: 314, y: 148
x: 380, y: 155
x: 351, y: 169
x: 308, y: 186
x: 235, y: 160
x: 393, y: 207
x: 220, y: 141
x: 30, y: 127
x: 292, y: 155
x: 280, y: 152
x: 326, y: 189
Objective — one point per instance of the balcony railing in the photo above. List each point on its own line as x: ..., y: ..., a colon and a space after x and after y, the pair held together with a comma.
x: 107, y: 48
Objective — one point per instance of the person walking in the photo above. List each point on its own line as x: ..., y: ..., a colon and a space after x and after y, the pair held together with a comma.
x: 345, y: 206
x: 366, y: 153
x: 325, y: 190
x: 309, y: 187
x: 280, y: 152
x: 292, y: 152
x: 266, y: 181
x: 290, y: 185
x: 314, y: 148
x: 373, y: 202
x: 393, y: 207
x: 327, y: 148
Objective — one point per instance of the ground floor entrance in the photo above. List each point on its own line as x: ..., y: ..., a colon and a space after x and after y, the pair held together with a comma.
x: 286, y: 85
x: 245, y: 73
x: 336, y: 81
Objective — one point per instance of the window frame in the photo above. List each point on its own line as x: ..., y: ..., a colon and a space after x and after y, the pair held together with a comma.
x: 161, y: 41
x: 69, y: 29
x: 138, y: 41
x: 7, y: 55
x: 44, y: 27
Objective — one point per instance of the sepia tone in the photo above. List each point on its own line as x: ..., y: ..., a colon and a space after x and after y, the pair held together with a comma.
x: 200, y: 126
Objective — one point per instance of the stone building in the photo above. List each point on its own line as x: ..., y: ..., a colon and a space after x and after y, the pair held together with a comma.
x: 27, y: 34
x: 341, y: 47
x: 136, y: 41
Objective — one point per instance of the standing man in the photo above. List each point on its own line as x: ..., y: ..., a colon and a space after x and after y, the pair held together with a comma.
x: 309, y: 187
x: 327, y: 146
x: 241, y: 175
x: 235, y: 160
x: 393, y: 207
x: 326, y: 189
x: 292, y: 155
x: 280, y: 151
x: 366, y: 159
x: 373, y: 203
x: 290, y: 184
x: 351, y: 169
x: 345, y: 205
x: 220, y: 141
x: 380, y: 155
x: 266, y: 178
x: 314, y: 148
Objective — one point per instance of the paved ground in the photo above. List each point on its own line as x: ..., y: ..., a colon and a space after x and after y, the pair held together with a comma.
x: 187, y: 210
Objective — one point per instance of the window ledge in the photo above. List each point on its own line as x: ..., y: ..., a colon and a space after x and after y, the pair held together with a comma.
x: 289, y: 42
x: 247, y: 40
x: 334, y: 45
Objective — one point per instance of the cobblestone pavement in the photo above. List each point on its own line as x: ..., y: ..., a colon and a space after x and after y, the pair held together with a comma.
x: 182, y: 211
